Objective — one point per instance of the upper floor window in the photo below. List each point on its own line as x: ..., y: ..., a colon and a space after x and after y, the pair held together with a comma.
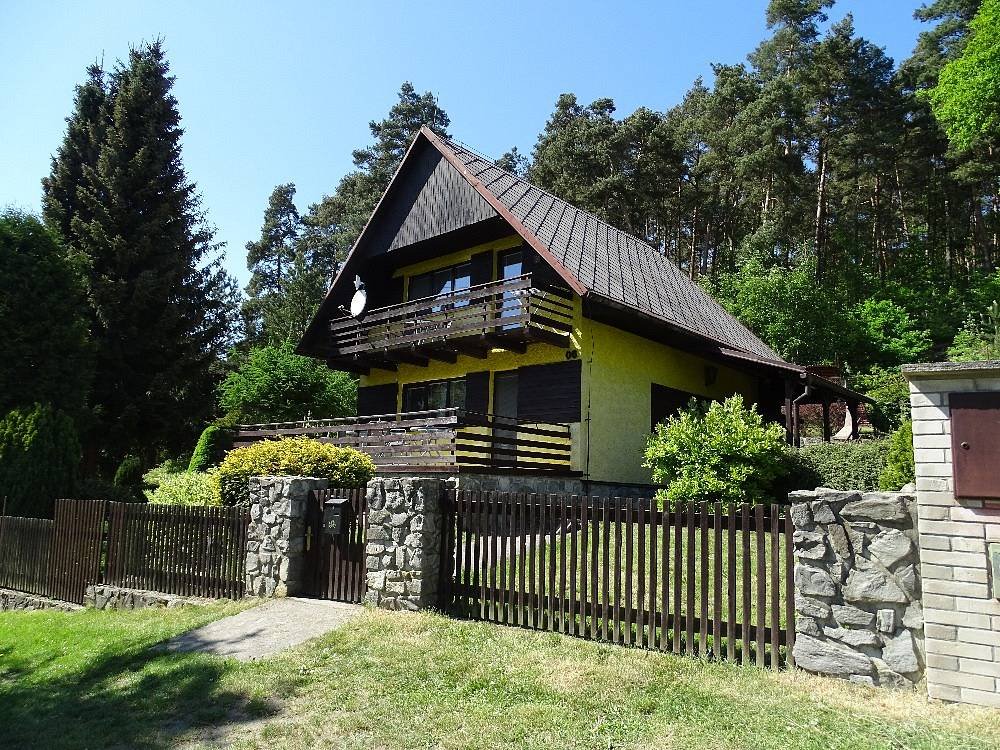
x: 440, y: 282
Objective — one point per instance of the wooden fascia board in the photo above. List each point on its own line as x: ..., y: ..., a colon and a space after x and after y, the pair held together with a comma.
x: 321, y: 313
x: 487, y: 195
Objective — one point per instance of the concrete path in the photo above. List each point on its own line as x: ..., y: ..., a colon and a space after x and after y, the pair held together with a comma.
x: 261, y: 631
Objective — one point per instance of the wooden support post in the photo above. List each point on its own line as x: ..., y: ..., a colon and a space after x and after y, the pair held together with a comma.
x: 826, y: 419
x: 797, y: 425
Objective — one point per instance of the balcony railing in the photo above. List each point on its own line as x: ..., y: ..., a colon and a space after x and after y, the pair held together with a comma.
x: 506, y: 314
x: 442, y: 440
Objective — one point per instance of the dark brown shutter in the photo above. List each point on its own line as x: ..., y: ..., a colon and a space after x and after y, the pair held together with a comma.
x: 377, y: 399
x: 477, y: 392
x: 481, y: 271
x: 549, y: 393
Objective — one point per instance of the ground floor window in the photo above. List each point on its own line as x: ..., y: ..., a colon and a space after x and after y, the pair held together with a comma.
x: 665, y: 401
x: 434, y: 394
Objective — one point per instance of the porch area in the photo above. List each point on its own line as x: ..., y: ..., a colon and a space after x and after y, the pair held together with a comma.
x: 442, y: 440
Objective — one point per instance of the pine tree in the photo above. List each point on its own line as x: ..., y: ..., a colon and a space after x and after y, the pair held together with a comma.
x: 270, y: 261
x: 160, y: 303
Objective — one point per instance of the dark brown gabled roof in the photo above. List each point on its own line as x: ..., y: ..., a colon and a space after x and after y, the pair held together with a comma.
x: 595, y: 259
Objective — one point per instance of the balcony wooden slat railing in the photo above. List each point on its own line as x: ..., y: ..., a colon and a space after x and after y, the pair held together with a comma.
x: 507, y: 312
x: 442, y: 440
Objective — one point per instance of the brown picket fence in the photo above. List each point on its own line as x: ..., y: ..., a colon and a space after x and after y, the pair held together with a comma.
x: 702, y: 579
x: 190, y: 551
x: 185, y: 550
x: 24, y: 553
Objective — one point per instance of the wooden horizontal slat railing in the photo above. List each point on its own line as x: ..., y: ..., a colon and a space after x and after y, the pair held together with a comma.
x: 703, y: 579
x: 509, y: 310
x: 24, y: 553
x: 442, y: 440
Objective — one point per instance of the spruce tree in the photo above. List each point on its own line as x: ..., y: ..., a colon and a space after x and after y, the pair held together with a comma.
x: 160, y: 303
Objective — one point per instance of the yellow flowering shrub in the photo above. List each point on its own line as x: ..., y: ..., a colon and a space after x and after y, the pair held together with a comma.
x: 344, y: 467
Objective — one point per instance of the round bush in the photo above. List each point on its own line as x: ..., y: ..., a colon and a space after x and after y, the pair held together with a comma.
x: 344, y: 467
x: 39, y: 456
x: 723, y: 453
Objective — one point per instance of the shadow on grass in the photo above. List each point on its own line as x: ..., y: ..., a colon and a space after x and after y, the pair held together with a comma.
x: 141, y: 699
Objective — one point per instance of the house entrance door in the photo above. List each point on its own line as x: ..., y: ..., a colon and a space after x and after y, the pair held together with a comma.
x: 505, y: 410
x: 335, y: 545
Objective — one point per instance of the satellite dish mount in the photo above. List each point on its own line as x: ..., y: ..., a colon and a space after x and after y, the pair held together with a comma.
x: 360, y: 298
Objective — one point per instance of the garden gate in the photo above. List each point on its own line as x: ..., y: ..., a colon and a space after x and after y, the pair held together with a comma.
x: 335, y: 544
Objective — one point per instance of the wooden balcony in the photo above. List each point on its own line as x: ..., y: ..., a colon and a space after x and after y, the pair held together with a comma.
x: 506, y: 314
x: 448, y: 440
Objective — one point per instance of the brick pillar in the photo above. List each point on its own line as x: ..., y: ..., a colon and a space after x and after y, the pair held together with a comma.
x: 403, y: 552
x: 276, y: 536
x: 962, y: 615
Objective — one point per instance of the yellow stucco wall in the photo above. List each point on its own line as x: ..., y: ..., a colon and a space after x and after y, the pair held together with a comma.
x: 618, y: 370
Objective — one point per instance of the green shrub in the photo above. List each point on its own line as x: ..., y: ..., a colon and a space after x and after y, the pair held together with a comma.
x: 186, y: 488
x: 899, y: 468
x: 211, y: 448
x: 155, y: 476
x: 128, y: 477
x: 845, y: 466
x: 724, y: 453
x: 344, y: 467
x: 39, y: 456
x: 273, y: 384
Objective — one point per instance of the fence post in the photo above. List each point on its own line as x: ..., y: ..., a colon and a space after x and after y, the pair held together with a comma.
x: 405, y: 537
x: 275, y: 558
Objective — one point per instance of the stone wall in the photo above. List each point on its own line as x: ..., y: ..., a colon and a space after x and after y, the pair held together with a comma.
x: 276, y: 536
x: 963, y: 617
x: 18, y: 600
x: 116, y: 597
x: 404, y: 542
x: 857, y: 587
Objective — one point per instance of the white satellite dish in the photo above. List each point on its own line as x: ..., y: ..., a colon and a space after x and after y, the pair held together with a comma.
x: 360, y: 298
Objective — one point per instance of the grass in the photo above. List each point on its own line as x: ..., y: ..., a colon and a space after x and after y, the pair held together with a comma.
x: 89, y: 680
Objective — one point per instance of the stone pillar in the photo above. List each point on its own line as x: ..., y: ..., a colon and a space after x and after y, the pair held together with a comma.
x: 403, y: 553
x: 857, y: 588
x: 276, y: 536
x: 961, y: 610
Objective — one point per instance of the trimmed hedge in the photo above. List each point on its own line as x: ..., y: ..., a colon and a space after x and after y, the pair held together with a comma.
x: 186, y: 488
x: 212, y: 445
x: 841, y: 466
x: 344, y: 467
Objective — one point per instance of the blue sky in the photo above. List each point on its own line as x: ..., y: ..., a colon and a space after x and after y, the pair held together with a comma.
x: 279, y: 92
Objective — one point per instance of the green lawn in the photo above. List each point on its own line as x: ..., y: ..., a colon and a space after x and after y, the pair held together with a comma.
x: 89, y: 680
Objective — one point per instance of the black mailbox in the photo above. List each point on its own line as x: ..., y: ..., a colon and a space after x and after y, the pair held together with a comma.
x: 334, y: 518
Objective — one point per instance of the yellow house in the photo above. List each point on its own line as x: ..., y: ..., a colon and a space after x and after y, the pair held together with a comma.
x: 497, y: 330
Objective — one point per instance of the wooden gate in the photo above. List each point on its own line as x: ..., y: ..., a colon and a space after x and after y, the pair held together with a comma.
x: 335, y: 557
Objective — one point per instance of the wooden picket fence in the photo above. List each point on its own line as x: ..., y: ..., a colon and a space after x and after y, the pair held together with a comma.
x: 698, y: 579
x: 190, y: 551
x: 24, y: 553
x: 185, y: 550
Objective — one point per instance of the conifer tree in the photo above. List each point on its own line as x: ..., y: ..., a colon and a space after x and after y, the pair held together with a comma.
x: 160, y: 303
